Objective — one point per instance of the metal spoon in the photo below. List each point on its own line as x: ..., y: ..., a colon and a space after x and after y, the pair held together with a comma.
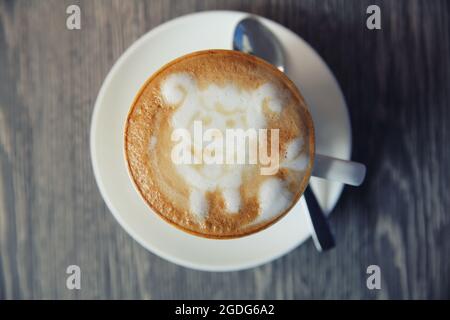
x: 251, y: 36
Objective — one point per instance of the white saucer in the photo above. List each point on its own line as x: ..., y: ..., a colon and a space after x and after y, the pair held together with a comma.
x: 210, y: 30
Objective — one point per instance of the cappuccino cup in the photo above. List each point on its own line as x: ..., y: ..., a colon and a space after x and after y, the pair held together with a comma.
x: 221, y: 144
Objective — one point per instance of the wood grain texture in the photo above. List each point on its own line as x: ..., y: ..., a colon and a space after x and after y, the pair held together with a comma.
x: 397, y: 85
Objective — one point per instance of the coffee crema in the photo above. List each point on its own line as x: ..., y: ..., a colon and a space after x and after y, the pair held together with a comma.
x: 223, y: 92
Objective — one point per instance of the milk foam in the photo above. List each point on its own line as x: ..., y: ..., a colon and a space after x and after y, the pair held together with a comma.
x: 152, y: 143
x: 249, y: 163
x: 294, y: 158
x: 274, y: 198
x: 221, y: 108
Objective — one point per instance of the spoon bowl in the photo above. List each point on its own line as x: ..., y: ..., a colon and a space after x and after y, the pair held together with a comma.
x: 252, y: 37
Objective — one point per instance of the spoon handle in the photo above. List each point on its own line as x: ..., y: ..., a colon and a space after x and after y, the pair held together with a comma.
x: 321, y: 232
x: 345, y: 171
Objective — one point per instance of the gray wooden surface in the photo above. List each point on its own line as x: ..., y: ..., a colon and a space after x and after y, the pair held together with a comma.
x: 397, y: 85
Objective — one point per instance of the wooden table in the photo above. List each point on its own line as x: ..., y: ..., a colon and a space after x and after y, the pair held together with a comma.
x: 397, y: 84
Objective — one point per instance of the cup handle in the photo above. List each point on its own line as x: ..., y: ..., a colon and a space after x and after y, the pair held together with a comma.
x: 344, y: 171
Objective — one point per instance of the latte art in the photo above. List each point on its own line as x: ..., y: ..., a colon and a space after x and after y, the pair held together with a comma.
x: 219, y: 110
x: 219, y: 143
